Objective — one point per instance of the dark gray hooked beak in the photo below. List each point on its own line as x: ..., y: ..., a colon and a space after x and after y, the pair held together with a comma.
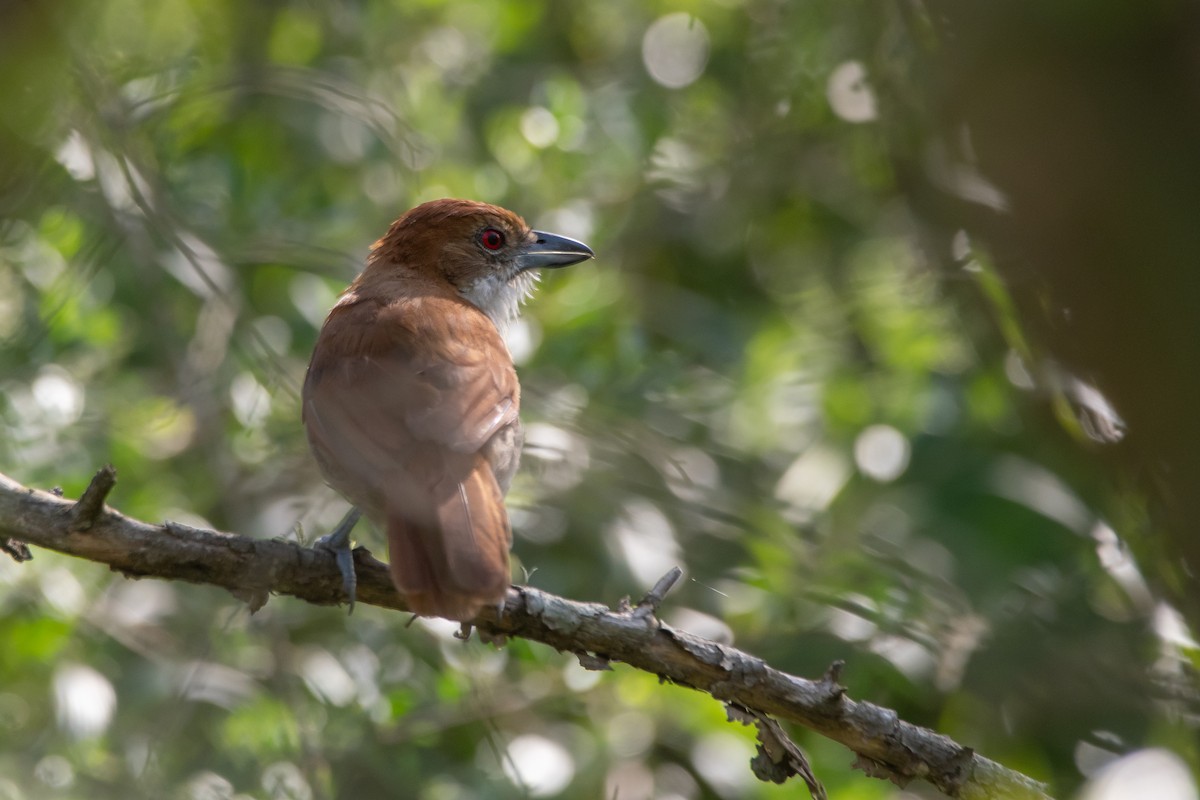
x: 552, y: 251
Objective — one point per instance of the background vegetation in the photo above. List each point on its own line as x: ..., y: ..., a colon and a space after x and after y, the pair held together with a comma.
x: 792, y: 370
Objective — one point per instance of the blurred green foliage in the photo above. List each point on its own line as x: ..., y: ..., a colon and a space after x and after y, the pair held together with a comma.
x: 759, y: 379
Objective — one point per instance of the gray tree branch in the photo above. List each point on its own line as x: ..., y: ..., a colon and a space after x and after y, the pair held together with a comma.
x: 254, y: 569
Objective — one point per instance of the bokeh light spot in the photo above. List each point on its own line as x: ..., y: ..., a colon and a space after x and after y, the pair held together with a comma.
x: 59, y: 395
x: 849, y: 95
x: 84, y: 700
x: 675, y: 50
x: 882, y: 453
x: 1155, y: 772
x: 539, y: 127
x: 542, y: 766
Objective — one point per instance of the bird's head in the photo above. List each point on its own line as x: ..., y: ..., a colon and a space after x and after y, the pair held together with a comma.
x: 486, y: 253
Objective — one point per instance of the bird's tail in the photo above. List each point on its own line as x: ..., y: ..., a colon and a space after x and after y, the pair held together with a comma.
x: 453, y: 562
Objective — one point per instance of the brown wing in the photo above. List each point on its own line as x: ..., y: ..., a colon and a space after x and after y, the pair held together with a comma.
x: 400, y: 404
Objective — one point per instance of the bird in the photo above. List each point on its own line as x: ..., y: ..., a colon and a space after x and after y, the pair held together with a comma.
x: 411, y: 400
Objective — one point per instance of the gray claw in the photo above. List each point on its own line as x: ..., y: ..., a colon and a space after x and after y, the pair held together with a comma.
x: 338, y: 543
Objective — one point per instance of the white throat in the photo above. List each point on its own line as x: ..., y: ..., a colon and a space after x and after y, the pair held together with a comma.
x: 501, y: 299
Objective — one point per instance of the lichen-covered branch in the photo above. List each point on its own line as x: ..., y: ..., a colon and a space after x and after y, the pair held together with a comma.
x: 254, y: 569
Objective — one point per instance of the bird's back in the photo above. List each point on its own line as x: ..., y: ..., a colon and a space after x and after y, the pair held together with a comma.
x: 410, y: 405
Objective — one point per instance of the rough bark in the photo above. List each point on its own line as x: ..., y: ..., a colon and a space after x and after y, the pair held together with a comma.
x: 253, y: 569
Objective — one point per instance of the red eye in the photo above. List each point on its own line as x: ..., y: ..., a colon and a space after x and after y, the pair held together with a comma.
x: 492, y: 239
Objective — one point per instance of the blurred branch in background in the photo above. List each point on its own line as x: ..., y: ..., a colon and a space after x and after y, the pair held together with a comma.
x: 1056, y: 155
x: 887, y: 747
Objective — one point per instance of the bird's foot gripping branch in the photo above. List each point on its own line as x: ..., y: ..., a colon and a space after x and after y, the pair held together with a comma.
x: 753, y: 691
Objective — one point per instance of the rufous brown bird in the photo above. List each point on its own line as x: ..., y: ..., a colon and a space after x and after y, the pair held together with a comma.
x: 411, y: 399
